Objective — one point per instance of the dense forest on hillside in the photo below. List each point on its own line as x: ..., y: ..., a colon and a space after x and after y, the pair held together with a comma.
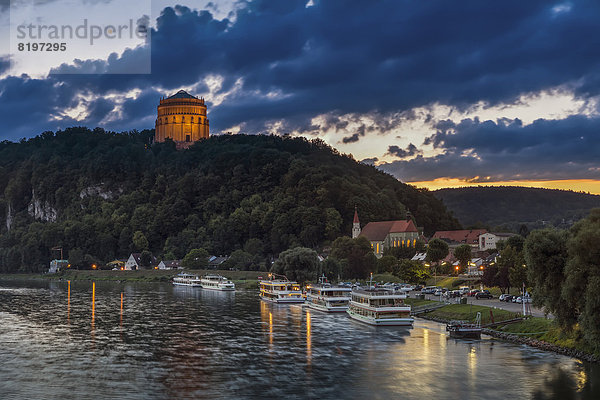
x: 91, y: 192
x: 510, y: 206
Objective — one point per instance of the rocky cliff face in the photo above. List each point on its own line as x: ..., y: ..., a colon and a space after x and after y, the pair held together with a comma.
x: 99, y: 190
x: 9, y: 217
x: 41, y: 211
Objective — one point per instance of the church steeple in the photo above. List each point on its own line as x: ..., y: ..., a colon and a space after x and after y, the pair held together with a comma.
x: 355, y: 225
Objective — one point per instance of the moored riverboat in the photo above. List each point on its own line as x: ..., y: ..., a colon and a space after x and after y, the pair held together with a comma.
x: 325, y: 297
x: 280, y: 290
x: 464, y: 329
x: 380, y: 307
x: 184, y: 279
x: 217, y: 282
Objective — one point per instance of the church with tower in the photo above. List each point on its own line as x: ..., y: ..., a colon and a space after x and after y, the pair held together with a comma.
x: 181, y: 118
x: 386, y: 234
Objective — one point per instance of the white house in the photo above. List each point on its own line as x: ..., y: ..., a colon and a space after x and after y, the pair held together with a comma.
x: 488, y: 240
x: 170, y: 264
x: 133, y: 262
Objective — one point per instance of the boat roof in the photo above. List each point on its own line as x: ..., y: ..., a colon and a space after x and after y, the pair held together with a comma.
x: 278, y: 282
x: 332, y: 288
x: 377, y: 292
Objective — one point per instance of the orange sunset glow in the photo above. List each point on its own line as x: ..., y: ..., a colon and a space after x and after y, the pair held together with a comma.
x: 576, y: 185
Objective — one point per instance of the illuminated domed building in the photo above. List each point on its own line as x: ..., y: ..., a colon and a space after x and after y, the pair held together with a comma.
x: 182, y: 118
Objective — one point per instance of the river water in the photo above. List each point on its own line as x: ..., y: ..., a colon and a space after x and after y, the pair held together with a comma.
x: 84, y: 340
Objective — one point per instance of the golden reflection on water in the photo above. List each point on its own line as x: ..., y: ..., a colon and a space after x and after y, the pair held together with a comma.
x: 581, y: 377
x: 68, y: 300
x: 270, y: 328
x: 121, y: 316
x: 93, y: 308
x: 308, y: 340
x: 267, y: 316
x: 472, y: 362
x: 426, y: 343
x: 443, y: 341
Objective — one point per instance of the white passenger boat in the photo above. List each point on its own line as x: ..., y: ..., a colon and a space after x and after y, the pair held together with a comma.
x: 325, y: 297
x: 376, y: 306
x: 184, y: 279
x: 217, y: 282
x: 280, y: 291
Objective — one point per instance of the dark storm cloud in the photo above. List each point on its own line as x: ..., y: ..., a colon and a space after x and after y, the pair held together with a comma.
x: 337, y: 57
x: 370, y: 161
x: 545, y: 149
x: 399, y: 152
x: 351, y: 139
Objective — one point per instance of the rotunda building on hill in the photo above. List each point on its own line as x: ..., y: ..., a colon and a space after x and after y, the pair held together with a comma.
x: 181, y: 118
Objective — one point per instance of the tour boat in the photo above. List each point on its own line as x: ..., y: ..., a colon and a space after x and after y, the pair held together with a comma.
x: 324, y: 297
x: 464, y: 329
x: 217, y: 282
x: 379, y: 307
x: 184, y: 279
x: 280, y: 291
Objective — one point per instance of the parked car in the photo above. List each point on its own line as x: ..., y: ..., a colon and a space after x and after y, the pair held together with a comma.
x: 418, y: 288
x: 506, y: 297
x: 520, y: 299
x: 438, y: 292
x: 473, y: 292
x: 429, y: 290
x: 485, y: 294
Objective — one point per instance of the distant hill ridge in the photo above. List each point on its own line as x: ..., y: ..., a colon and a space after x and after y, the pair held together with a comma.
x: 511, y: 206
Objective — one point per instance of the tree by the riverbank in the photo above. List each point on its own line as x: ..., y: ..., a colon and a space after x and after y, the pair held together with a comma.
x: 564, y: 270
x: 298, y: 264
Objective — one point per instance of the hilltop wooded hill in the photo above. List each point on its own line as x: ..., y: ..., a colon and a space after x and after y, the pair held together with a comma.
x: 512, y: 206
x: 91, y: 191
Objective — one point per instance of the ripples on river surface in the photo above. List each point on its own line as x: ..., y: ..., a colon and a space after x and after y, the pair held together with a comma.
x: 85, y: 340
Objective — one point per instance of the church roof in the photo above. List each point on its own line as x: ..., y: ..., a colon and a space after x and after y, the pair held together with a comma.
x: 182, y: 94
x: 356, y: 221
x: 377, y: 231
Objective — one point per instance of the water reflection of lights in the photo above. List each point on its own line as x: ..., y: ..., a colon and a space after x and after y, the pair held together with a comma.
x: 472, y: 364
x: 426, y: 343
x: 121, y: 315
x: 270, y: 328
x: 68, y: 300
x: 267, y: 317
x: 581, y: 377
x: 308, y: 340
x: 93, y: 308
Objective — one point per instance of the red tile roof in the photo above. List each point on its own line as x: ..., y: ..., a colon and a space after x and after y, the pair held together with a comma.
x: 463, y: 236
x: 377, y: 231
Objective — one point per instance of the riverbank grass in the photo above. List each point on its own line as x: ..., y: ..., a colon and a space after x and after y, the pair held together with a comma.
x: 468, y: 312
x: 419, y: 302
x: 547, y: 330
x: 243, y: 278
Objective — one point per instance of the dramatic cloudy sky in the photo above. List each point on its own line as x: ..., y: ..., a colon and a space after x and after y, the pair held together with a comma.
x: 439, y: 93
